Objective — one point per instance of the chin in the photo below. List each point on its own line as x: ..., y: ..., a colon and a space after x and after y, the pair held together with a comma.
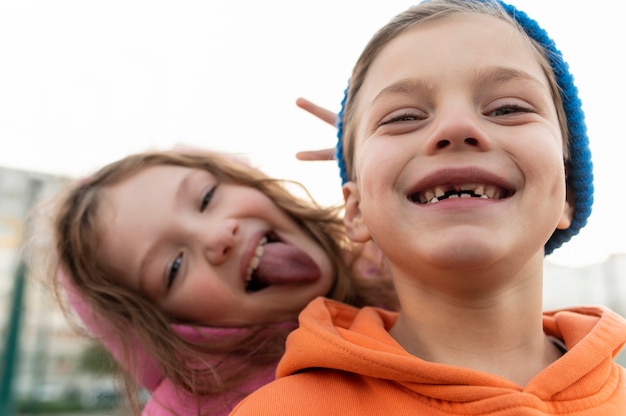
x: 466, y: 256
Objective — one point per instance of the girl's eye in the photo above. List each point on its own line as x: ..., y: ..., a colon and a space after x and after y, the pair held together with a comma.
x: 174, y: 269
x: 206, y: 198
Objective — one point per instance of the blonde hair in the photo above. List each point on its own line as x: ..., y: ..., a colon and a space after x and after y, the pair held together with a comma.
x: 414, y: 16
x: 194, y: 367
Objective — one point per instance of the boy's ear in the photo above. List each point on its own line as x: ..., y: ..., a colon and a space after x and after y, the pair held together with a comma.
x: 353, y: 218
x: 567, y: 214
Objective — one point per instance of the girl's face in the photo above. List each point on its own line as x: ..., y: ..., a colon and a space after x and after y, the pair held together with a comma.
x: 208, y: 252
x: 458, y: 151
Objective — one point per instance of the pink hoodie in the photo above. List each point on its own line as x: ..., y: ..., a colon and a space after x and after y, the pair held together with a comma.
x: 166, y: 399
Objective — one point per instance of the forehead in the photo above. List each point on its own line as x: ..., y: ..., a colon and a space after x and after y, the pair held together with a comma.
x: 140, y: 186
x: 151, y: 175
x: 148, y: 194
x: 451, y: 45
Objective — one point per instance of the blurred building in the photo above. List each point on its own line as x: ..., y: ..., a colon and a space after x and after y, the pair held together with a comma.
x: 47, y: 349
x: 597, y: 284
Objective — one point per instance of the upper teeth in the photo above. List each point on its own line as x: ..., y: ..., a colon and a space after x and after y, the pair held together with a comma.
x: 256, y: 259
x: 466, y: 190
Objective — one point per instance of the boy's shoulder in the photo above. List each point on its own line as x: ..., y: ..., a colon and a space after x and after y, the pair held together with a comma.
x: 316, y: 392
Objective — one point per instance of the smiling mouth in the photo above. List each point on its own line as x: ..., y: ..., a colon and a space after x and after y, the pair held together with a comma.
x: 467, y: 190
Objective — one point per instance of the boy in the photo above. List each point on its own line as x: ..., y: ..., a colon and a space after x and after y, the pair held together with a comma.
x: 459, y: 127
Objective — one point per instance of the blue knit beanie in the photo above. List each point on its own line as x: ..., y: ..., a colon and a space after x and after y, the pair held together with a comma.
x: 580, y: 168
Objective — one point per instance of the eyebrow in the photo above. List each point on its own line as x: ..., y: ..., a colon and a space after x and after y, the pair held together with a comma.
x: 404, y: 86
x: 183, y: 188
x: 501, y: 75
x: 491, y: 75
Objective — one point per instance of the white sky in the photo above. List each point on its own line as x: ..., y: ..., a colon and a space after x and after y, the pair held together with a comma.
x: 85, y: 82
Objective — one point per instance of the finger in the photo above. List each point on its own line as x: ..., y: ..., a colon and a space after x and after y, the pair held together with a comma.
x: 322, y: 154
x: 319, y: 112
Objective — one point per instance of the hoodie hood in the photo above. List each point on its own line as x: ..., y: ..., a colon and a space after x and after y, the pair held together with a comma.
x: 339, y: 337
x: 166, y: 398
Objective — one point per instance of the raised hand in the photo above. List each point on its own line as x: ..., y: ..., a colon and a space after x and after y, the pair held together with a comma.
x: 324, y: 115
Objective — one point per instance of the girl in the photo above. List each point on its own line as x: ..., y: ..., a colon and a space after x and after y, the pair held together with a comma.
x: 458, y: 128
x: 191, y: 268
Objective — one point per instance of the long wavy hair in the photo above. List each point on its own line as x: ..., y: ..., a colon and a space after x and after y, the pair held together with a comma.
x: 199, y: 368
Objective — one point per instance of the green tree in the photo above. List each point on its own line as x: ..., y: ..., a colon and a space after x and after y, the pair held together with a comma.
x: 96, y: 360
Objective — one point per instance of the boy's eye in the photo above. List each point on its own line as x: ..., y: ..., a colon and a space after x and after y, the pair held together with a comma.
x: 174, y: 269
x: 206, y: 198
x: 510, y: 109
x: 400, y: 117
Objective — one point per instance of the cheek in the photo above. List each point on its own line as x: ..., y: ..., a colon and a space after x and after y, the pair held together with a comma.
x: 251, y: 205
x: 549, y: 166
x: 379, y: 162
x: 539, y: 153
x: 325, y: 264
x: 199, y: 298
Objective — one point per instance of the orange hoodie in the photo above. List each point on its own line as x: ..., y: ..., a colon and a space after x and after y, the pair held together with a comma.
x: 342, y: 361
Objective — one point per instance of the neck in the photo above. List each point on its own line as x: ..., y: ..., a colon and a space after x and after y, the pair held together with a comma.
x: 498, y: 331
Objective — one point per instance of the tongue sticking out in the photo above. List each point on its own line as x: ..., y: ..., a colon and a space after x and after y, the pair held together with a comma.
x: 283, y: 263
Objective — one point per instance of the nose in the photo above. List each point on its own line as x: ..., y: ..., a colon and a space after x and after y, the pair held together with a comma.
x: 218, y: 240
x: 458, y: 128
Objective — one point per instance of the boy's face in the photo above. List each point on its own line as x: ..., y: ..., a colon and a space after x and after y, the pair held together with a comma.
x: 458, y: 155
x: 208, y: 252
